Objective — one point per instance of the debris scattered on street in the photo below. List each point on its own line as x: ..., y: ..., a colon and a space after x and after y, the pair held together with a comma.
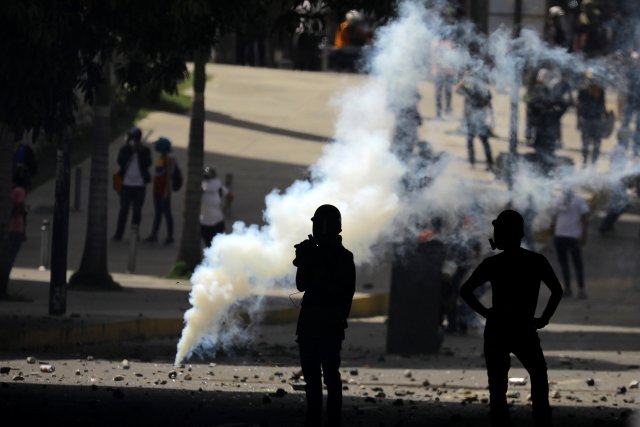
x: 517, y: 381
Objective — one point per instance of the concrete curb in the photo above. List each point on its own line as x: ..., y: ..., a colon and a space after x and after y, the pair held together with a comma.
x: 106, y: 332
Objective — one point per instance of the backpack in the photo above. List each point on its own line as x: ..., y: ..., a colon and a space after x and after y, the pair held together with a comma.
x: 176, y: 177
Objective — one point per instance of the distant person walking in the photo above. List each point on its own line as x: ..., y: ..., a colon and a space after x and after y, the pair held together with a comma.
x: 443, y: 70
x: 162, y: 180
x: 548, y: 101
x: 631, y: 108
x: 16, y: 228
x: 215, y: 198
x: 134, y: 160
x: 515, y: 275
x: 570, y: 233
x: 591, y: 118
x: 326, y: 274
x: 477, y: 107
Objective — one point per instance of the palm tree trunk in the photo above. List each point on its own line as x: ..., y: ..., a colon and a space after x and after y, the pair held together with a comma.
x: 93, y: 272
x: 190, y: 252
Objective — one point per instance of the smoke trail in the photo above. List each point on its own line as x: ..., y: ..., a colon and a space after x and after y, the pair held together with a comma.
x: 357, y: 173
x: 360, y: 174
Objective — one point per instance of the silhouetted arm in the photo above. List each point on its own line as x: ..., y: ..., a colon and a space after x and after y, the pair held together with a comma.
x: 302, y: 278
x: 349, y: 285
x: 304, y: 255
x: 478, y: 278
x: 551, y: 280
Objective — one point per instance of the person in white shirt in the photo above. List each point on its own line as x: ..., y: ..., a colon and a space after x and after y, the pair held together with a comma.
x: 134, y: 160
x: 215, y: 199
x: 570, y: 233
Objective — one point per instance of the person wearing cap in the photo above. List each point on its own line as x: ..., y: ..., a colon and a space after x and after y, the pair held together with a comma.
x: 134, y: 160
x: 515, y: 275
x: 162, y: 190
x: 326, y: 274
x: 215, y: 198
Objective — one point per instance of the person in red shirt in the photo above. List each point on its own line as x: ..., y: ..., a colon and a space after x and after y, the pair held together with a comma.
x: 162, y: 190
x: 16, y: 227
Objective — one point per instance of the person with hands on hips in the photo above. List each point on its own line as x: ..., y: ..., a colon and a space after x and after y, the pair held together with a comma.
x: 511, y: 327
x: 326, y: 274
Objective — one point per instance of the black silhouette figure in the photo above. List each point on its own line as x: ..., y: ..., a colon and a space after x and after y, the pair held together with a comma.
x: 326, y: 274
x: 515, y: 276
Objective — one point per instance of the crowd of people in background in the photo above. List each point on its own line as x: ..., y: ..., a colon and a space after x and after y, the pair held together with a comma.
x: 133, y: 174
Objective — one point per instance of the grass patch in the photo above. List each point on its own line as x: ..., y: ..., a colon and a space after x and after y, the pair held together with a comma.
x: 177, y: 103
x: 180, y: 270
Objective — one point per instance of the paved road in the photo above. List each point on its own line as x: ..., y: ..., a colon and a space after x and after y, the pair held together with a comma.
x: 447, y: 389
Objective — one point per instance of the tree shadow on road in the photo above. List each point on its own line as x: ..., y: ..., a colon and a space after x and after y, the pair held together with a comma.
x: 227, y: 120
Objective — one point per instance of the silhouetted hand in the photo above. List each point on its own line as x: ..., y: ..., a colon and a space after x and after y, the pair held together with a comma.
x: 540, y: 323
x: 303, y: 250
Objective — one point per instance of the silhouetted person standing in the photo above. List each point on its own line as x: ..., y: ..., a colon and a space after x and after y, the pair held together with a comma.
x: 326, y: 274
x: 515, y: 275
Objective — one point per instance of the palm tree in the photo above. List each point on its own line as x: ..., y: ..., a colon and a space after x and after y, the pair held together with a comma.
x: 189, y: 253
x: 93, y: 271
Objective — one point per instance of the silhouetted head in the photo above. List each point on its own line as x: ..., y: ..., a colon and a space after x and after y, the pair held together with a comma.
x: 134, y: 135
x: 327, y: 222
x: 508, y: 229
x: 353, y: 17
x: 163, y: 145
x: 209, y: 172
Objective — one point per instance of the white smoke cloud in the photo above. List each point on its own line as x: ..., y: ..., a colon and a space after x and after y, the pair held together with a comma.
x: 360, y: 175
x: 357, y: 173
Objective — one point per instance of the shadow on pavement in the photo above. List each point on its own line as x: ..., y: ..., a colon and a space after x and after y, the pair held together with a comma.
x: 85, y: 405
x: 225, y: 119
